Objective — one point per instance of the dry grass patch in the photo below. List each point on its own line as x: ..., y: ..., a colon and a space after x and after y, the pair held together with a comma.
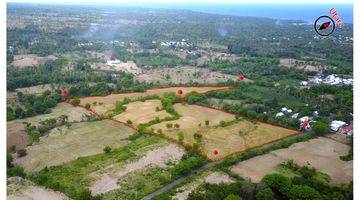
x: 105, y: 103
x: 142, y: 112
x: 159, y: 157
x: 81, y: 139
x: 321, y: 153
x: 183, y: 75
x: 30, y: 60
x: 241, y: 136
x: 22, y: 189
x: 16, y: 134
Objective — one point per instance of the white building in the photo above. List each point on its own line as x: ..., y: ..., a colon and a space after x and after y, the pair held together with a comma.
x: 335, y: 125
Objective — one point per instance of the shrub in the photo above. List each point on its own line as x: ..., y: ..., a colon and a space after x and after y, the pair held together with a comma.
x: 321, y: 128
x: 303, y: 192
x: 107, y: 149
x: 233, y: 197
x: 87, y: 106
x: 169, y: 125
x: 278, y: 183
x: 177, y: 125
x: 207, y: 122
x: 222, y: 123
x: 265, y: 194
x: 15, y: 171
x: 129, y: 121
x: 75, y: 102
x: 181, y: 137
x: 22, y: 152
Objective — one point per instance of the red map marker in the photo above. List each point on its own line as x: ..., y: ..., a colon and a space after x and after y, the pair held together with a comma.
x: 241, y: 77
x: 180, y: 92
x: 215, y: 152
x: 325, y: 25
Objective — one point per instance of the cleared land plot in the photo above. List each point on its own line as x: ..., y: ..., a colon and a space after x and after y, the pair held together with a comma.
x: 108, y: 102
x: 16, y: 134
x: 129, y: 67
x: 143, y: 165
x: 81, y: 139
x: 182, y: 75
x: 30, y: 60
x: 159, y: 157
x: 321, y: 153
x: 240, y: 136
x: 22, y: 189
x: 142, y: 112
x: 36, y: 90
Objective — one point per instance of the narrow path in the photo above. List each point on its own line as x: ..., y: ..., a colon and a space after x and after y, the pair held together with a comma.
x: 202, y: 168
x: 180, y: 180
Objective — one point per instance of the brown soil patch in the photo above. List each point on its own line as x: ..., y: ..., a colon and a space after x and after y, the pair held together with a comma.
x: 183, y: 75
x: 321, y: 153
x: 142, y: 112
x: 159, y: 157
x: 16, y: 134
x: 30, y: 60
x: 227, y: 140
x: 22, y: 189
x: 108, y: 102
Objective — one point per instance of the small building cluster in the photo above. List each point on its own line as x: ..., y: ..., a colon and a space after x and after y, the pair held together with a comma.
x: 332, y: 79
x: 182, y: 43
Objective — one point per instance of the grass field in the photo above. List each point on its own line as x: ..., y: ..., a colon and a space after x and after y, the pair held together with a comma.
x: 108, y: 102
x: 81, y: 139
x: 151, y: 160
x: 142, y: 112
x: 16, y: 134
x: 18, y: 188
x: 239, y: 136
x: 321, y: 153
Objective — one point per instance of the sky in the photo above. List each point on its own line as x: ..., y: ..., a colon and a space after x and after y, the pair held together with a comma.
x: 187, y: 1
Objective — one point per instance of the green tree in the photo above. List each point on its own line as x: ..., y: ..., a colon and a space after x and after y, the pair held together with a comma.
x: 233, y: 197
x: 265, y: 194
x: 107, y: 149
x: 207, y: 122
x: 321, y: 128
x: 181, y: 137
x: 278, y: 183
x: 169, y: 125
x: 303, y: 192
x: 75, y: 102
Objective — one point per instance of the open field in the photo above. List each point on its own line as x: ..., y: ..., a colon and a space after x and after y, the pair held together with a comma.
x: 142, y: 112
x: 239, y: 136
x: 311, y: 66
x: 16, y: 134
x: 182, y: 75
x: 22, y: 189
x: 81, y: 139
x: 129, y: 67
x: 321, y: 153
x: 107, y: 179
x: 108, y: 102
x: 129, y: 172
x: 36, y: 90
x: 30, y: 60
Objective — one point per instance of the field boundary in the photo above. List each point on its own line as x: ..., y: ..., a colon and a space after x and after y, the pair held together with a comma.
x: 189, y: 147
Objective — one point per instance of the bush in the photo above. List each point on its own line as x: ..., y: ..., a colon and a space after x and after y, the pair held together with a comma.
x: 75, y: 102
x: 278, y: 183
x: 233, y: 197
x: 107, y: 149
x: 222, y: 123
x: 87, y: 106
x: 129, y: 121
x: 177, y: 125
x: 169, y: 125
x: 265, y: 194
x: 181, y: 137
x: 303, y: 192
x: 321, y: 128
x: 15, y: 171
x: 207, y: 122
x: 22, y: 152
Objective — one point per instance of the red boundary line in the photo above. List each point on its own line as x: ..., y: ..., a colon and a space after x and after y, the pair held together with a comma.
x: 189, y: 147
